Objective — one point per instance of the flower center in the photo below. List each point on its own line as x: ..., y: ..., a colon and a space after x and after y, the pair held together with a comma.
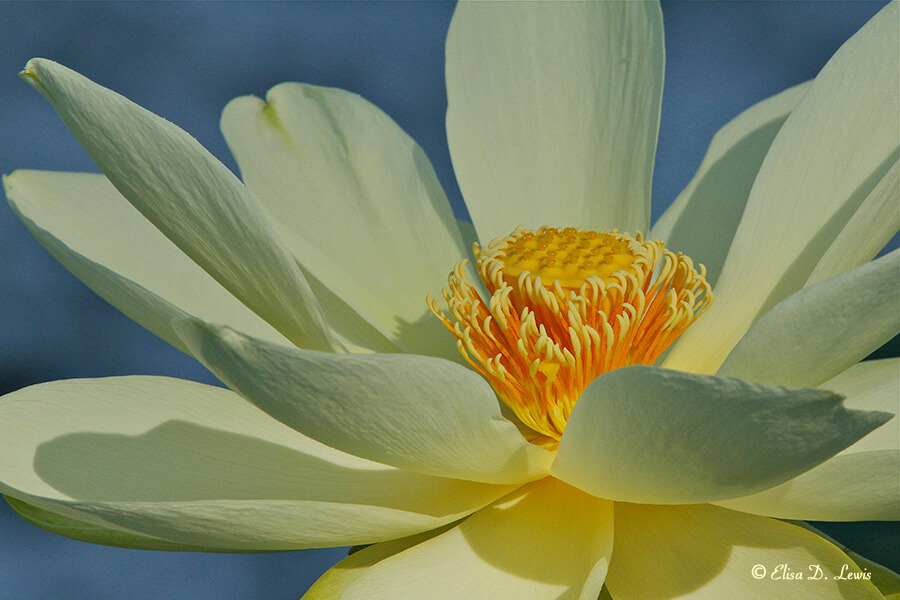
x: 568, y: 256
x: 564, y: 307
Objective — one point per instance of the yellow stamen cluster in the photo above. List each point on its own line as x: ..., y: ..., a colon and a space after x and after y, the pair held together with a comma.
x: 565, y: 306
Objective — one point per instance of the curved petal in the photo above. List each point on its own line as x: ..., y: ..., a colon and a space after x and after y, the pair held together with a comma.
x: 860, y: 483
x: 649, y: 435
x: 836, y: 146
x: 868, y: 231
x: 419, y: 413
x: 351, y: 330
x: 356, y: 201
x: 702, y: 220
x: 872, y: 385
x: 197, y: 465
x: 545, y: 541
x: 705, y: 552
x: 822, y: 330
x: 88, y: 226
x: 848, y: 487
x: 190, y: 196
x: 82, y: 531
x: 553, y: 112
x: 887, y: 582
x: 353, y: 569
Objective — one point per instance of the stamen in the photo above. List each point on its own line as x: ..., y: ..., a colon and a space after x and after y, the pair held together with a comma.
x: 565, y: 307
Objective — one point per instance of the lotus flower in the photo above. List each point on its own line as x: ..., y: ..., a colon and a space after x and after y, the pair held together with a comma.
x: 585, y: 412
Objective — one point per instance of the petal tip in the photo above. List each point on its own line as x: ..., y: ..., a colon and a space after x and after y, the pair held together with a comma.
x: 30, y: 71
x: 31, y: 74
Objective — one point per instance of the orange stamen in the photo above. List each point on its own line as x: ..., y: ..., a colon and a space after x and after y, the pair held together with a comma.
x: 565, y: 307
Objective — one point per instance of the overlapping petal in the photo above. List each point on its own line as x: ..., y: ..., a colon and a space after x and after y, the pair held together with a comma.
x: 90, y: 228
x: 553, y: 112
x: 162, y: 464
x: 419, y: 413
x: 351, y: 330
x: 545, y: 541
x: 887, y: 582
x: 860, y: 483
x: 197, y: 465
x: 91, y: 533
x: 95, y: 233
x: 356, y: 201
x: 649, y: 435
x: 704, y: 552
x: 190, y: 196
x: 353, y: 570
x: 823, y: 329
x: 703, y: 218
x: 868, y: 231
x: 818, y: 173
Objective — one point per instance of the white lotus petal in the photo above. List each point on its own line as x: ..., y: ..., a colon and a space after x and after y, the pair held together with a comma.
x: 545, y: 541
x: 95, y: 233
x: 190, y: 196
x: 822, y: 330
x: 353, y: 331
x: 872, y: 385
x: 869, y: 229
x: 553, y: 112
x: 857, y: 487
x: 90, y: 228
x: 197, y: 465
x: 836, y: 146
x: 703, y: 218
x: 704, y: 552
x: 860, y: 483
x: 419, y: 413
x: 356, y: 201
x: 82, y: 531
x: 650, y: 435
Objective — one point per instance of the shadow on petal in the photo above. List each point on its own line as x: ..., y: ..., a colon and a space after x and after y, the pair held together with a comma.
x: 179, y: 461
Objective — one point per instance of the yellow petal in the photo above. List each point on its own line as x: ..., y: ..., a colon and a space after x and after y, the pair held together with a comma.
x: 887, y: 582
x: 704, y: 552
x: 545, y: 541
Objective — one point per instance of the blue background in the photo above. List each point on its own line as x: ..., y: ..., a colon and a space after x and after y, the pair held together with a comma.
x: 185, y: 61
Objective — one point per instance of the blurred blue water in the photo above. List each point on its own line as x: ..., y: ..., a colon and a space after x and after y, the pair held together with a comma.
x: 185, y: 61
